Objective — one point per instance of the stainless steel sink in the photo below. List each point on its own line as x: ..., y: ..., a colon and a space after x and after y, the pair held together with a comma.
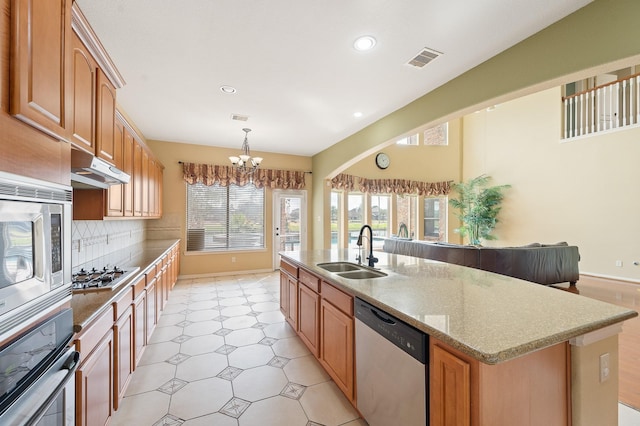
x: 339, y: 266
x: 351, y: 270
x: 362, y: 274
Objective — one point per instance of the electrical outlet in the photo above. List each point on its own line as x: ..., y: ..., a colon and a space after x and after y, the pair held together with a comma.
x: 233, y: 259
x: 619, y: 263
x: 604, y: 367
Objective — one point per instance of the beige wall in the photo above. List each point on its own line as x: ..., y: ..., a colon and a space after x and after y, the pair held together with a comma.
x: 580, y: 191
x: 599, y: 37
x: 173, y: 222
x: 419, y: 163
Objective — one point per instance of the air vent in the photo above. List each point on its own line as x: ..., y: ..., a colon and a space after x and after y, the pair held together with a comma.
x: 29, y: 193
x: 239, y: 117
x: 425, y: 56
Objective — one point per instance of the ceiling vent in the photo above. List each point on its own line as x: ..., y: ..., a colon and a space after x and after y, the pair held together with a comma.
x: 239, y: 117
x: 425, y: 56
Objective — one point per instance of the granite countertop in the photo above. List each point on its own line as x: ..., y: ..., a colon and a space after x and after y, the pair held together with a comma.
x: 490, y: 317
x: 87, y: 306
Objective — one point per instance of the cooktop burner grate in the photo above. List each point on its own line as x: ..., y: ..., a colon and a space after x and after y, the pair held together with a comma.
x: 101, y: 279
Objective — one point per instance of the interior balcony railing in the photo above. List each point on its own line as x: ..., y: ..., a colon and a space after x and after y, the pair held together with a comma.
x: 609, y: 106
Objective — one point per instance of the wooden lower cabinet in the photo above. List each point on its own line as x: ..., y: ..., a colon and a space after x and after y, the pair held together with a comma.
x: 309, y: 318
x: 530, y: 390
x: 450, y: 389
x: 292, y: 314
x: 140, y: 321
x: 150, y: 309
x: 336, y: 346
x: 94, y: 376
x: 123, y: 331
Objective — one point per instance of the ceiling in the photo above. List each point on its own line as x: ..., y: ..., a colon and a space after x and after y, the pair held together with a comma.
x: 298, y: 77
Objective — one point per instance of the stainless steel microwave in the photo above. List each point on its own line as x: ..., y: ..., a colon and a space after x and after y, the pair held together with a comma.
x: 35, y: 246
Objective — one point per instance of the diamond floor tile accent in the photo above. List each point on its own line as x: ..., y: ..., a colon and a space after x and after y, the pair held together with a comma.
x: 178, y: 358
x: 260, y: 325
x: 184, y: 323
x: 225, y: 349
x: 230, y: 373
x: 220, y: 318
x: 278, y: 361
x: 169, y: 420
x: 223, y: 332
x: 181, y: 339
x: 172, y: 386
x: 235, y: 407
x: 293, y: 390
x: 268, y: 341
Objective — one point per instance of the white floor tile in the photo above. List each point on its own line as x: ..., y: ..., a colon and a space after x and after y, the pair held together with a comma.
x: 200, y: 398
x: 627, y: 416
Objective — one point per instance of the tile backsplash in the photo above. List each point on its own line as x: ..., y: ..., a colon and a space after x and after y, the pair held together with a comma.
x: 92, y: 239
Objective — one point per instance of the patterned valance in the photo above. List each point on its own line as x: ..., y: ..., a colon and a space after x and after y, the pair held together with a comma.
x: 209, y: 174
x: 390, y: 186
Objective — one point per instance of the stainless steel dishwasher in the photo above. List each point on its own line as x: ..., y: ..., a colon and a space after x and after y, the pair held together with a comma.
x: 391, y: 369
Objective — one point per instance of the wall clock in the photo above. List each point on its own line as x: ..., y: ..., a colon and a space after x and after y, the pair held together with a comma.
x: 382, y: 160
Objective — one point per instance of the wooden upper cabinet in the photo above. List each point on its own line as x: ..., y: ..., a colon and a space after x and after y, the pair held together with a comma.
x: 127, y: 167
x: 115, y: 193
x: 41, y: 65
x: 105, y: 121
x: 83, y: 130
x: 137, y: 178
x: 145, y: 183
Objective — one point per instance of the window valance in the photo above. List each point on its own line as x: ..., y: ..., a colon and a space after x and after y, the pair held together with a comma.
x: 209, y: 174
x: 390, y: 186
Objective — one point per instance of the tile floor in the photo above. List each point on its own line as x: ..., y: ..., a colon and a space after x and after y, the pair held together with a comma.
x: 222, y: 354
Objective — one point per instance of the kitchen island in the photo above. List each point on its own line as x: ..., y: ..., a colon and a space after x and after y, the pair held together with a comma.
x: 501, y: 331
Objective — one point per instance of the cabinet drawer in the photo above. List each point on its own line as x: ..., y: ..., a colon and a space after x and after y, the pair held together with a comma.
x: 123, y: 302
x: 309, y: 280
x: 138, y: 286
x: 89, y: 338
x: 340, y: 300
x: 289, y: 268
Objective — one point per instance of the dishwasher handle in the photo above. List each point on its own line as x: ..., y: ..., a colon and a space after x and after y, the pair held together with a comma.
x: 382, y: 318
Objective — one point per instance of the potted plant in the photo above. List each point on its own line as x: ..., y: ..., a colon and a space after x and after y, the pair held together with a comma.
x: 478, y: 206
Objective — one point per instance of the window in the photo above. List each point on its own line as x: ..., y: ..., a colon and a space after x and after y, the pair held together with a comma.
x: 335, y: 218
x: 437, y: 135
x: 379, y: 219
x: 225, y: 218
x: 435, y: 219
x: 356, y: 216
x: 408, y: 140
x: 406, y: 211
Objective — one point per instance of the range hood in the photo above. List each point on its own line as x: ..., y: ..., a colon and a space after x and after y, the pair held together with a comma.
x: 89, y: 171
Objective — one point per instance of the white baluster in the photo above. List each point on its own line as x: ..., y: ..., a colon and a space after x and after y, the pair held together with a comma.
x: 589, y: 111
x: 582, y: 113
x: 598, y: 108
x: 631, y: 101
x: 566, y: 117
x: 638, y: 99
x: 624, y: 103
x: 572, y: 129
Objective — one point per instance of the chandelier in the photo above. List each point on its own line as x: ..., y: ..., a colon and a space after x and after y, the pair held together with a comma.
x: 245, y: 163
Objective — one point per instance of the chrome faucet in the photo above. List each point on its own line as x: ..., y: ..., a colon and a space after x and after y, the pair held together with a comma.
x: 372, y: 260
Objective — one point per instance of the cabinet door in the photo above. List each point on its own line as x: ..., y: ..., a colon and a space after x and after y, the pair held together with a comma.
x: 145, y: 183
x: 292, y: 314
x: 83, y: 133
x: 284, y: 294
x: 151, y: 177
x: 127, y: 167
x: 151, y: 308
x: 115, y: 193
x: 94, y: 385
x: 450, y: 393
x: 137, y: 178
x: 309, y: 318
x: 41, y: 65
x: 123, y: 332
x: 140, y: 320
x: 336, y: 346
x: 105, y: 121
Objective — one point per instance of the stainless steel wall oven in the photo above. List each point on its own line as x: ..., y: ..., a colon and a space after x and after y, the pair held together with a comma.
x: 35, y: 250
x: 37, y: 375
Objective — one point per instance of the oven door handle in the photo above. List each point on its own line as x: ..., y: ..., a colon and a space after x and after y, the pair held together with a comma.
x: 67, y: 369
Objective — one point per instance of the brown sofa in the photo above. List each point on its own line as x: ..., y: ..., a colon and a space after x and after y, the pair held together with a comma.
x: 539, y: 263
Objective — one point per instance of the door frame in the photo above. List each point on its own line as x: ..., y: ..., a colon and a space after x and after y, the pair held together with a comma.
x: 278, y: 194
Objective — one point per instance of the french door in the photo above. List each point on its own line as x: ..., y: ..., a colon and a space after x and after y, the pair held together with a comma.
x: 289, y: 222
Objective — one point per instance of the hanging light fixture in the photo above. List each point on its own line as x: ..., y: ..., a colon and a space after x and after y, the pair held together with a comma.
x: 245, y: 162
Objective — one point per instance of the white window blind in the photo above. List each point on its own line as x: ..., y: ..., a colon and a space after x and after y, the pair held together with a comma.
x: 224, y: 218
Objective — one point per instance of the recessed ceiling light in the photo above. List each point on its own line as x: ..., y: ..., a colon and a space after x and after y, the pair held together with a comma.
x: 364, y: 43
x: 228, y: 89
x: 357, y: 114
